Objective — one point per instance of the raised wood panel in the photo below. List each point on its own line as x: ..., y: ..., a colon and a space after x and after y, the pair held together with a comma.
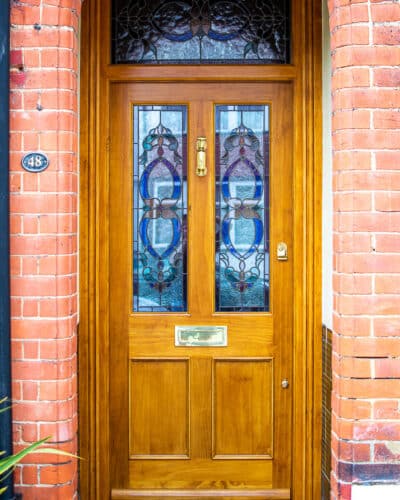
x: 243, y: 424
x: 159, y: 408
x: 200, y: 474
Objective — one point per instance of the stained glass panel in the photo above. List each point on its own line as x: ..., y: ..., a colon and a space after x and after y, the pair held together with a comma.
x: 160, y: 208
x: 200, y: 31
x: 242, y: 212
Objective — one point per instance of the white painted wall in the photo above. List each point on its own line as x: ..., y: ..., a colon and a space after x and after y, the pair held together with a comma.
x: 327, y: 208
x: 376, y: 492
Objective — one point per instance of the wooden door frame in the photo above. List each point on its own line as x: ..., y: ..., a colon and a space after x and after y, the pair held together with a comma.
x: 96, y: 76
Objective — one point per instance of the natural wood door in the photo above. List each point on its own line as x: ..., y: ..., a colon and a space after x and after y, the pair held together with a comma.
x: 209, y: 418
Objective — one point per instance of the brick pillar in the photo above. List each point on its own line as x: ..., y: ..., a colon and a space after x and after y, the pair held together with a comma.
x: 365, y: 38
x: 44, y: 66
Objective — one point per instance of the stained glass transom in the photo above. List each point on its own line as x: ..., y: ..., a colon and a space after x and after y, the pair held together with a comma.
x: 242, y: 211
x: 160, y: 209
x: 200, y: 31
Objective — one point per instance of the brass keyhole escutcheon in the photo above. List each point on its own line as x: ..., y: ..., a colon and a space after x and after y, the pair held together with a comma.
x: 201, y: 146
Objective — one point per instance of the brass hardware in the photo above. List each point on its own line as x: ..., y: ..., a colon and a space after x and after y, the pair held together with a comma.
x: 285, y: 383
x: 281, y: 251
x: 201, y: 146
x: 201, y: 336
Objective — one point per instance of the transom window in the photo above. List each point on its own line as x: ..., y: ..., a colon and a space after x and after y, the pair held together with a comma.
x: 200, y: 32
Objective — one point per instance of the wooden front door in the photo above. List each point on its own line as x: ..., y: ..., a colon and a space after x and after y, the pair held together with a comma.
x: 188, y: 412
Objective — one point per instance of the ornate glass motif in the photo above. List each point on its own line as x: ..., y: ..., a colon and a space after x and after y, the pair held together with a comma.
x: 160, y: 200
x: 200, y: 31
x: 242, y: 241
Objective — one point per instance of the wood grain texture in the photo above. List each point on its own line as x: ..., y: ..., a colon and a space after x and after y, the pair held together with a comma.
x: 205, y: 494
x: 243, y: 424
x: 159, y: 408
x: 96, y: 409
x: 137, y: 335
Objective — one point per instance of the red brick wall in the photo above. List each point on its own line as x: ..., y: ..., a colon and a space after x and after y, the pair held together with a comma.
x: 366, y: 142
x: 365, y: 37
x: 44, y: 68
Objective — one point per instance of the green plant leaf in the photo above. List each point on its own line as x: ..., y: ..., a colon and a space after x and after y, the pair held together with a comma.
x: 9, y: 462
x: 2, y: 490
x: 54, y: 451
x: 3, y: 400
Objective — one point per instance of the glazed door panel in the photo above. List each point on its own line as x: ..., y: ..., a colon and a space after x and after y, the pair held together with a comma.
x: 208, y: 417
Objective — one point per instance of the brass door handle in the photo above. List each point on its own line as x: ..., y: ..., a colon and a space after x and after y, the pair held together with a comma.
x: 201, y: 146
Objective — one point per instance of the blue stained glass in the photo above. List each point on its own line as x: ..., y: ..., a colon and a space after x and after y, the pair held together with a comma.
x: 160, y: 209
x: 201, y: 32
x: 242, y: 186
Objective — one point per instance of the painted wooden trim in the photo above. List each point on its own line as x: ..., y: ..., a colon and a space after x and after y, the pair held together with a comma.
x: 5, y: 340
x: 96, y: 75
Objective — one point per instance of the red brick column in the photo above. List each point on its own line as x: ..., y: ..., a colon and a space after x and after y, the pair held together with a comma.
x: 44, y: 68
x: 366, y: 185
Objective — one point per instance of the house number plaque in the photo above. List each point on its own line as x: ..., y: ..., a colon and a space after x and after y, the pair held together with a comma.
x: 201, y: 336
x: 35, y: 162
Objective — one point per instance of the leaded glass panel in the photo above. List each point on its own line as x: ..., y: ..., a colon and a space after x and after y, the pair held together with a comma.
x: 200, y: 32
x: 160, y: 208
x: 242, y: 211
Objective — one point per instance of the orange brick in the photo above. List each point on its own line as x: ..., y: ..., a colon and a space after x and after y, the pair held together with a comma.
x: 387, y: 77
x: 367, y: 304
x: 368, y: 263
x: 59, y: 431
x: 351, y: 202
x: 350, y: 35
x: 368, y: 221
x: 366, y: 56
x: 352, y: 242
x: 353, y: 326
x: 352, y: 283
x: 351, y: 119
x: 31, y: 350
x: 387, y: 12
x: 367, y: 346
x: 352, y: 160
x: 352, y: 367
x: 387, y: 35
x: 350, y: 77
x: 30, y: 474
x: 366, y: 139
x: 30, y: 308
x: 375, y: 430
x: 387, y: 368
x: 387, y: 327
x: 387, y: 160
x: 62, y: 473
x: 366, y: 98
x: 351, y: 408
x: 366, y: 181
x: 386, y: 119
x: 387, y: 283
x: 30, y: 390
x: 388, y: 409
x: 55, y: 390
x: 387, y: 242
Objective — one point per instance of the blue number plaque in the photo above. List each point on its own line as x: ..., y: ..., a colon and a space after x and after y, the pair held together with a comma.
x: 35, y: 162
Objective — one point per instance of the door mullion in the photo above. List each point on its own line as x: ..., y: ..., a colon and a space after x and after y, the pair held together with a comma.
x: 201, y: 232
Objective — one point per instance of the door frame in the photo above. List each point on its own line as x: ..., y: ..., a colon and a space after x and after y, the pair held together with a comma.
x: 95, y: 78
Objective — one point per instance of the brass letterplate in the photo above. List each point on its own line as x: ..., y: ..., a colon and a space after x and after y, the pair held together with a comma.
x: 201, y: 336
